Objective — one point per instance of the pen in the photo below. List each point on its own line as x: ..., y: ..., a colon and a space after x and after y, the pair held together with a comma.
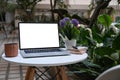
x: 74, y: 47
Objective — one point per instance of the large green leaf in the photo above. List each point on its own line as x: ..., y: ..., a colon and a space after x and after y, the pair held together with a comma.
x: 91, y: 64
x: 116, y: 43
x: 104, y: 51
x: 105, y: 20
x: 89, y: 71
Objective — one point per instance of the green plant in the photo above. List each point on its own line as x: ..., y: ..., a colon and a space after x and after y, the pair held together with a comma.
x: 103, y: 48
x: 27, y: 7
x: 69, y: 28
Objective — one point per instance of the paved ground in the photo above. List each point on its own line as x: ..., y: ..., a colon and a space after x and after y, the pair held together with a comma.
x: 14, y: 73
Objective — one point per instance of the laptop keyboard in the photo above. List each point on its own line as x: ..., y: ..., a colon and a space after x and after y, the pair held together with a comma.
x: 41, y: 50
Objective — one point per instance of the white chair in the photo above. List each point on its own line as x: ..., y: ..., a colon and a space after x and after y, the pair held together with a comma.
x: 110, y: 74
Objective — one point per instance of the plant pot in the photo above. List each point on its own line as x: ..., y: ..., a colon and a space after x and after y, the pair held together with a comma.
x: 70, y: 43
x: 11, y: 49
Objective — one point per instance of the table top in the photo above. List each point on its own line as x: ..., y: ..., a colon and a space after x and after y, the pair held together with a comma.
x: 47, y: 61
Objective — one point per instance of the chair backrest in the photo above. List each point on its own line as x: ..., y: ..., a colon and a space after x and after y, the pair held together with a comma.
x: 110, y: 74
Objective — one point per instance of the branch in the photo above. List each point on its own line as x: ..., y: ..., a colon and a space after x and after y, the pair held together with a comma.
x: 102, y: 5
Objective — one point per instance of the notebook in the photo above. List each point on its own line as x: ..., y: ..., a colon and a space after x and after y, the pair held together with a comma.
x: 39, y: 36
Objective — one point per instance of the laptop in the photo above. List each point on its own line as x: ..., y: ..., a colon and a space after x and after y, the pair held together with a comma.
x: 39, y: 40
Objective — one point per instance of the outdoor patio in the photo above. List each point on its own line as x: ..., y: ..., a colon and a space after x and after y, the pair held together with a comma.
x: 98, y: 28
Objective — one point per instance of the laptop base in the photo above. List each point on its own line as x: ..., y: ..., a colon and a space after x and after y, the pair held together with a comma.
x: 44, y: 54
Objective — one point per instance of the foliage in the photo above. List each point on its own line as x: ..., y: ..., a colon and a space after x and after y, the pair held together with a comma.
x: 117, y: 19
x: 105, y: 20
x: 61, y: 4
x: 27, y: 7
x: 27, y: 4
x: 69, y: 28
x: 11, y: 7
x: 103, y: 42
x: 5, y: 6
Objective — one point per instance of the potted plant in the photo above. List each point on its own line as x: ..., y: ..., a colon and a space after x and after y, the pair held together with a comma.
x: 69, y: 31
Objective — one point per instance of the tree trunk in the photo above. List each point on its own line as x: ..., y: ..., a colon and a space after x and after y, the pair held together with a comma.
x: 100, y: 6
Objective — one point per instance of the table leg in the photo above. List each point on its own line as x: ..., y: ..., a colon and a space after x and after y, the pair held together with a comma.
x: 62, y: 74
x: 30, y: 73
x: 58, y: 70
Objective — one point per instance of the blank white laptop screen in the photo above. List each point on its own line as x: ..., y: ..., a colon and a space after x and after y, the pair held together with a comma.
x: 38, y: 35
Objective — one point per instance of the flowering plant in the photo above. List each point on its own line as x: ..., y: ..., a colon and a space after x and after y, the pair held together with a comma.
x: 69, y: 28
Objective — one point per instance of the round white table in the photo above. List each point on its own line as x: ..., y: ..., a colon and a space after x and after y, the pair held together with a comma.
x: 46, y: 61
